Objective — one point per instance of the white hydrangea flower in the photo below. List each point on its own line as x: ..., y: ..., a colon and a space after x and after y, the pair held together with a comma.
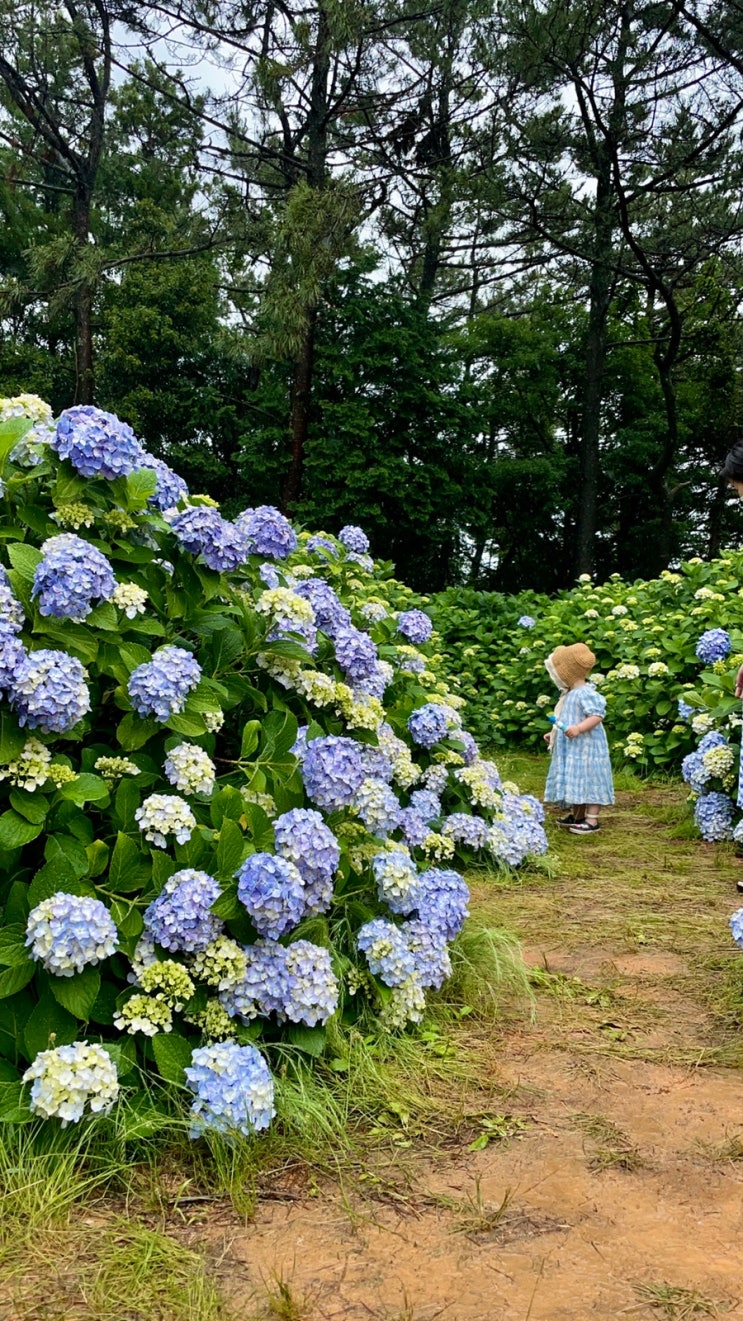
x: 316, y: 687
x: 31, y: 768
x: 213, y: 720
x: 702, y: 723
x: 619, y: 610
x: 190, y: 769
x: 544, y: 699
x: 130, y: 598
x: 627, y: 672
x: 657, y: 668
x: 164, y: 814
x: 68, y: 1078
x: 145, y: 1014
x: 112, y: 768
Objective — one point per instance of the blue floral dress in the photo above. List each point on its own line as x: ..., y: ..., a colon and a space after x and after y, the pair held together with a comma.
x: 580, y: 769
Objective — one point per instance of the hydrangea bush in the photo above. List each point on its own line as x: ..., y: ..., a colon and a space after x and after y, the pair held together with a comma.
x: 649, y: 639
x: 235, y: 789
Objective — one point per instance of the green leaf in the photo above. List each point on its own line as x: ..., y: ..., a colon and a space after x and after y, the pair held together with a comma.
x: 230, y: 848
x: 48, y: 1024
x: 25, y: 560
x: 15, y: 831
x: 228, y: 802
x: 186, y: 722
x: 85, y: 789
x: 172, y: 1056
x: 311, y: 1040
x: 15, y: 978
x: 140, y: 485
x: 104, y: 616
x: 13, y: 949
x: 251, y: 734
x: 129, y: 869
x: 259, y: 825
x: 12, y: 737
x: 228, y: 906
x: 77, y: 994
x: 133, y: 732
x: 14, y: 1106
x: 127, y: 802
x: 68, y: 850
x: 128, y: 918
x: 32, y: 806
x: 97, y: 853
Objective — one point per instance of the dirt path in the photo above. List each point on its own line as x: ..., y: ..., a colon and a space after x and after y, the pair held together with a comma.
x: 611, y: 1184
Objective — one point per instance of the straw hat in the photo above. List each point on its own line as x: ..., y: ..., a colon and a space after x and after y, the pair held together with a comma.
x: 572, y: 663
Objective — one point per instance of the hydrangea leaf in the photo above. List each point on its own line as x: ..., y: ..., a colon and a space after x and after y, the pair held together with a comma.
x: 32, y: 806
x: 48, y: 1024
x: 25, y: 560
x: 15, y: 978
x: 14, y: 1108
x: 66, y: 849
x: 13, y: 946
x: 12, y: 737
x: 77, y: 994
x: 128, y: 870
x: 85, y: 789
x: 15, y: 831
x: 251, y: 734
x: 230, y: 848
x: 310, y: 1040
x: 133, y: 732
x: 172, y: 1056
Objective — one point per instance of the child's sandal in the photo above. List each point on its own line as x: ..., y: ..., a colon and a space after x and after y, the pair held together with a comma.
x: 569, y: 820
x: 584, y: 828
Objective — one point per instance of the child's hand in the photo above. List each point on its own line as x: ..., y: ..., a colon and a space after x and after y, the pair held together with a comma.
x: 572, y: 731
x: 547, y: 738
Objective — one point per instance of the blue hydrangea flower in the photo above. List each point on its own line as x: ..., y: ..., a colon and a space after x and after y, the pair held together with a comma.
x: 714, y: 645
x: 517, y: 830
x: 426, y: 803
x: 160, y: 687
x: 304, y: 839
x: 375, y: 681
x: 429, y: 949
x: 713, y: 815
x: 268, y: 574
x: 271, y: 890
x: 414, y: 829
x: 526, y: 621
x: 71, y: 576
x: 415, y: 626
x: 736, y: 926
x: 97, y: 444
x: 443, y: 898
x: 711, y: 740
x: 202, y: 530
x: 472, y: 831
x: 436, y: 778
x: 323, y: 547
x: 49, y: 691
x: 356, y: 653
x: 69, y: 932
x: 11, y: 612
x: 428, y: 725
x: 378, y: 807
x: 397, y: 880
x: 300, y: 745
x: 387, y: 951
x: 333, y: 771
x: 311, y: 994
x: 354, y: 539
x: 170, y: 489
x: 233, y: 1089
x: 267, y: 532
x: 468, y: 748
x: 694, y: 771
x: 685, y: 711
x: 377, y: 763
x: 263, y: 990
x: 12, y: 655
x: 330, y: 615
x: 180, y: 918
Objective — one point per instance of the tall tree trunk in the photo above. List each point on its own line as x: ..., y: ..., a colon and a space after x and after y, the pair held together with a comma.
x: 716, y: 519
x: 83, y: 312
x: 600, y: 291
x: 299, y: 417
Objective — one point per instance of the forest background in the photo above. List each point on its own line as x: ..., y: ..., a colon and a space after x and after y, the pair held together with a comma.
x: 467, y: 273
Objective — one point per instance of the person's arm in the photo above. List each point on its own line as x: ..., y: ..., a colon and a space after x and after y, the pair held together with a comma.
x: 590, y: 722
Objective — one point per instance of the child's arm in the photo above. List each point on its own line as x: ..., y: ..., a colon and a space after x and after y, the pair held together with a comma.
x: 590, y: 722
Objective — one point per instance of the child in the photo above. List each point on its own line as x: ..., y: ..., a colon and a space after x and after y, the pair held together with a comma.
x: 580, y: 771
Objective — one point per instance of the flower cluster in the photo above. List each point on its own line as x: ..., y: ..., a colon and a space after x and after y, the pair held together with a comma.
x: 71, y: 576
x: 201, y: 530
x: 222, y: 963
x: 130, y: 598
x: 97, y: 444
x: 68, y: 1078
x: 397, y: 880
x: 713, y: 815
x: 190, y: 770
x: 180, y: 918
x: 30, y: 769
x: 415, y: 626
x: 170, y: 490
x: 168, y: 982
x: 713, y: 645
x: 49, y: 691
x: 233, y: 1089
x: 160, y: 687
x: 145, y: 1014
x: 165, y: 814
x: 387, y: 951
x: 354, y: 539
x: 69, y: 932
x: 333, y: 771
x: 267, y: 532
x: 526, y: 621
x: 296, y: 982
x: 378, y: 807
x: 270, y: 888
x: 428, y: 725
x: 302, y: 837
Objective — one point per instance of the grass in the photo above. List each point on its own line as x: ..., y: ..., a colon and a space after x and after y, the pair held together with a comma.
x: 611, y: 1148
x: 677, y: 1303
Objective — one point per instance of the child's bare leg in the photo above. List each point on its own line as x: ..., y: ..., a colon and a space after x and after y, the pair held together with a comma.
x: 588, y: 821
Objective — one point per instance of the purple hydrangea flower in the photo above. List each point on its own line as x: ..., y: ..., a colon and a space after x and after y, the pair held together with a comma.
x: 414, y: 829
x: 685, y: 711
x: 426, y: 803
x: 333, y: 771
x: 311, y: 994
x: 378, y: 807
x: 170, y: 489
x: 304, y: 839
x: 12, y: 655
x: 11, y: 612
x: 415, y: 626
x: 397, y: 880
x: 69, y: 932
x: 322, y: 546
x: 268, y: 574
x: 202, y: 530
x: 160, y: 687
x: 712, y: 740
x: 468, y: 749
x: 97, y: 444
x: 263, y: 989
x: 714, y: 645
x: 387, y: 951
x: 181, y: 917
x: 330, y: 615
x: 354, y: 539
x: 356, y: 653
x: 428, y: 725
x: 736, y: 926
x: 443, y: 897
x: 526, y: 621
x: 71, y: 576
x: 429, y: 949
x: 49, y: 691
x: 267, y: 532
x: 233, y: 1089
x: 694, y: 772
x: 713, y: 815
x: 271, y: 890
x: 472, y: 831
